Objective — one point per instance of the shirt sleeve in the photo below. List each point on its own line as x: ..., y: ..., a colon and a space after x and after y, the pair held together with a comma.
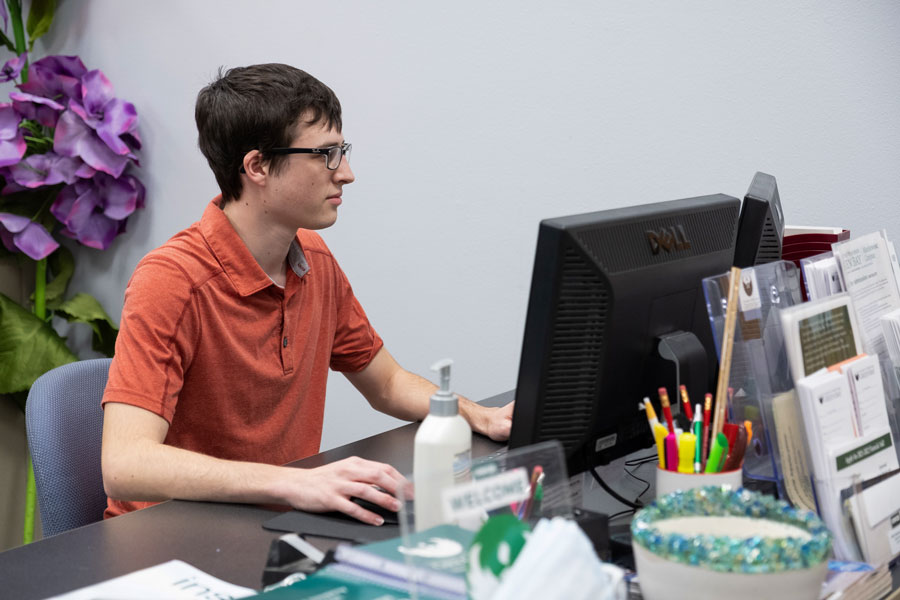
x: 154, y: 347
x: 355, y: 341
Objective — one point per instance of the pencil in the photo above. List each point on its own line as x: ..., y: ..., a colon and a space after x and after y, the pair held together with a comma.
x: 707, y: 407
x: 686, y: 402
x: 666, y: 408
x: 651, y: 414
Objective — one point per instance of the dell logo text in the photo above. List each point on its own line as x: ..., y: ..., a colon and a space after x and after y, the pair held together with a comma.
x: 669, y: 239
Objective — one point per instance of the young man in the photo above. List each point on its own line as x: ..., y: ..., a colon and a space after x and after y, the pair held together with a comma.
x: 229, y: 329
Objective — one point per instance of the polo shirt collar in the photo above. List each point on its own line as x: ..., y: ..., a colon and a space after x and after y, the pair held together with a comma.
x: 239, y: 265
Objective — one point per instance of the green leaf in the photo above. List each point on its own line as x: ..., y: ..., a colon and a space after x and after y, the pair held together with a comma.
x: 62, y: 265
x: 7, y: 42
x: 84, y: 308
x: 39, y: 19
x: 28, y: 348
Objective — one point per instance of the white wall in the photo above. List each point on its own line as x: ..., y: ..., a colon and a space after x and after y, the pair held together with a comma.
x: 471, y: 121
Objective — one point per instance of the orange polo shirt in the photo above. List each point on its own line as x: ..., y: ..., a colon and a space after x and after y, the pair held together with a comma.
x: 236, y: 364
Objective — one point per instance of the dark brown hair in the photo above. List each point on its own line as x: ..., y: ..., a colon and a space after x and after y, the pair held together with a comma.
x: 257, y: 107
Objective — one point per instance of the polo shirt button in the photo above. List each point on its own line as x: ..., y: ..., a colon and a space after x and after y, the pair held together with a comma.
x: 284, y: 342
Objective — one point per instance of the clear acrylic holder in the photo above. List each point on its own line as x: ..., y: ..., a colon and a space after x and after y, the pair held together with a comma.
x: 759, y: 366
x: 529, y: 483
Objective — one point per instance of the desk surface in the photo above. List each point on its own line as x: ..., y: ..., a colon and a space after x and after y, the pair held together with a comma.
x: 224, y: 540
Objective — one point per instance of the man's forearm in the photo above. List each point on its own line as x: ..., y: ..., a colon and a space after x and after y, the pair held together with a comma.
x: 150, y: 471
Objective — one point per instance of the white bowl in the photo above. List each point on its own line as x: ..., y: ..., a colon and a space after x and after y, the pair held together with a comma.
x: 720, y: 542
x: 662, y: 579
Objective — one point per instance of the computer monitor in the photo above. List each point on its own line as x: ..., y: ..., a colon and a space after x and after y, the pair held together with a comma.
x: 606, y: 288
x: 761, y: 226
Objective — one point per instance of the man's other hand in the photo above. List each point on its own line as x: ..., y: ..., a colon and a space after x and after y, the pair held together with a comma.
x: 330, y: 487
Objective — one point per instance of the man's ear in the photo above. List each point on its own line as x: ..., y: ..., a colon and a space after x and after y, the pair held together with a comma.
x: 255, y: 167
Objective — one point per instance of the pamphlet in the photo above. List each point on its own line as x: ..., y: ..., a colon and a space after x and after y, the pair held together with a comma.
x: 820, y: 333
x: 173, y: 580
x: 868, y: 275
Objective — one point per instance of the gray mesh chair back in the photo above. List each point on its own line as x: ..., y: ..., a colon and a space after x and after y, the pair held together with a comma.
x: 64, y: 421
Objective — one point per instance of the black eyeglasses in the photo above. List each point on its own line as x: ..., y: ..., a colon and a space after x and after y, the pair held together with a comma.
x: 333, y: 154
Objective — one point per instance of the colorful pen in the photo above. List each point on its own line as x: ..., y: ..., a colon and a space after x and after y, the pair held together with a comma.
x: 525, y: 507
x: 707, y: 409
x: 749, y: 427
x: 666, y: 408
x: 686, y: 444
x: 671, y: 452
x: 730, y: 430
x: 736, y: 456
x: 698, y: 433
x: 660, y: 432
x: 719, y: 447
x: 686, y: 403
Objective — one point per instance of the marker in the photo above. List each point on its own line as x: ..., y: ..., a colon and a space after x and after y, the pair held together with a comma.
x: 651, y: 414
x: 707, y: 409
x: 719, y: 447
x: 666, y: 408
x: 736, y: 456
x: 749, y: 427
x: 660, y: 432
x: 686, y: 402
x: 686, y: 444
x: 731, y: 431
x: 671, y: 452
x: 525, y: 507
x: 698, y: 433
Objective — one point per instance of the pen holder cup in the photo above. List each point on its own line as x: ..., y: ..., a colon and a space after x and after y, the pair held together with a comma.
x: 670, y: 481
x: 719, y: 542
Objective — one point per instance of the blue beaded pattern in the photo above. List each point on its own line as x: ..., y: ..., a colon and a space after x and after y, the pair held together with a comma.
x: 728, y: 554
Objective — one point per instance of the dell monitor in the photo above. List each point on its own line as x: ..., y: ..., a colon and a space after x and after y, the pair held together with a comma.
x: 761, y: 225
x: 606, y: 289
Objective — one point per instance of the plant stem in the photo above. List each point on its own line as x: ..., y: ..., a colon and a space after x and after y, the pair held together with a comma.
x: 40, y: 311
x: 15, y: 16
x: 40, y: 289
x: 30, y: 501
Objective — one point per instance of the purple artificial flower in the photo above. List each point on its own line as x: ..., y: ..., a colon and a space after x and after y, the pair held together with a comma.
x: 94, y: 211
x: 37, y: 108
x: 47, y: 169
x: 4, y: 14
x: 12, y: 140
x: 13, y: 67
x: 56, y: 77
x: 21, y: 233
x: 109, y: 116
x: 74, y: 137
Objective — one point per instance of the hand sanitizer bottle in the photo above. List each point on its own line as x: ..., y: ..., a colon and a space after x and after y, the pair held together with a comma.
x: 443, y: 451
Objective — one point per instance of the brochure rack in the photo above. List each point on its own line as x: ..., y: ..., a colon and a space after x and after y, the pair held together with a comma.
x: 760, y: 377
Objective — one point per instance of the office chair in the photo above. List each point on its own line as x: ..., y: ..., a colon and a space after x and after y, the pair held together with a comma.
x: 64, y: 422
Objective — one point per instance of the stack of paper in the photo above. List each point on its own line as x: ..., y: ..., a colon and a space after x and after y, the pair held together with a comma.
x: 848, y: 436
x: 856, y: 581
x: 890, y: 327
x: 822, y: 276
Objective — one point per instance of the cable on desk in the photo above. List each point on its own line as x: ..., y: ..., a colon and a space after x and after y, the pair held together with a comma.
x: 644, y: 481
x: 613, y: 493
x: 621, y: 514
x: 642, y: 460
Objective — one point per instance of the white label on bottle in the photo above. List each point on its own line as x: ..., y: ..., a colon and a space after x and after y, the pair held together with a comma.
x: 483, y: 495
x: 462, y: 462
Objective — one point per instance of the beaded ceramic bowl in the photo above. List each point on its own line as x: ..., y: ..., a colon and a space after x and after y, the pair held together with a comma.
x: 720, y: 542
